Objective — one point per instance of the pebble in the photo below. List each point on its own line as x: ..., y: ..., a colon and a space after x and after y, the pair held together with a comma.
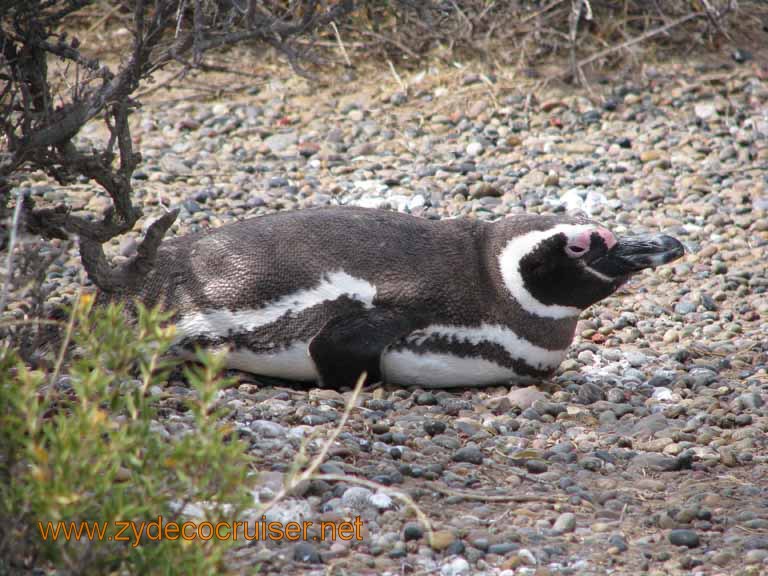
x: 635, y: 358
x: 268, y: 429
x: 412, y: 531
x: 705, y: 110
x: 618, y: 541
x: 306, y: 553
x: 536, y: 466
x: 434, y: 427
x: 357, y: 497
x: 650, y: 155
x: 456, y: 567
x: 442, y: 539
x: 280, y: 142
x: 503, y: 548
x: 475, y: 149
x: 756, y: 556
x: 566, y: 522
x: 470, y: 454
x: 683, y: 537
x: 524, y: 398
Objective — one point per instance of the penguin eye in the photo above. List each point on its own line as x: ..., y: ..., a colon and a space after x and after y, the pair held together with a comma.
x: 575, y: 250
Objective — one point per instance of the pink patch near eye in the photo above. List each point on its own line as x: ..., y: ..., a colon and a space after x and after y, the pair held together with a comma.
x: 608, y: 237
x: 581, y: 242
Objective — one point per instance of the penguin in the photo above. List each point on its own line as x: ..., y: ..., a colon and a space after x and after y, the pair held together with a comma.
x: 325, y: 294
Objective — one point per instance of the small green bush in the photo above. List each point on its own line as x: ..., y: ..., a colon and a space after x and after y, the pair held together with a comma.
x: 90, y: 451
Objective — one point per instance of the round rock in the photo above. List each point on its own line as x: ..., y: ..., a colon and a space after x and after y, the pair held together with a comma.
x: 684, y: 537
x: 470, y: 454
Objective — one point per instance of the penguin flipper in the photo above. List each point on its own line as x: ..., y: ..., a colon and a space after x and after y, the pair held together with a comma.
x: 351, y: 344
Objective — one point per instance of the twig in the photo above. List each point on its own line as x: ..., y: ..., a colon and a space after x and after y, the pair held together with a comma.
x: 11, y: 246
x: 538, y: 13
x: 713, y: 16
x: 315, y: 463
x: 180, y: 74
x: 67, y: 338
x: 463, y: 16
x: 103, y: 19
x: 341, y: 45
x: 490, y: 497
x: 31, y: 322
x: 573, y: 30
x: 501, y: 517
x: 310, y: 472
x: 489, y: 84
x: 399, y: 80
x: 395, y: 43
x: 641, y: 38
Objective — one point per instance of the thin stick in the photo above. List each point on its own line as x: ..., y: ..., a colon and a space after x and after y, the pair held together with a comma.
x: 546, y: 8
x: 315, y: 463
x: 573, y: 32
x: 11, y: 246
x: 104, y: 18
x: 318, y: 460
x: 341, y: 45
x: 403, y: 87
x: 31, y: 322
x: 67, y: 338
x: 487, y: 82
x: 491, y: 498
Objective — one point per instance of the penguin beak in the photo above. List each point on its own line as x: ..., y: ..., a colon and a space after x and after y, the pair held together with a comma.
x: 635, y: 253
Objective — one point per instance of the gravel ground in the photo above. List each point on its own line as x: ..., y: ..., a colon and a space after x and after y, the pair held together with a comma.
x: 647, y: 452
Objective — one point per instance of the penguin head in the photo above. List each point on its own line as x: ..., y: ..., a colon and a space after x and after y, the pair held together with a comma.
x: 558, y: 266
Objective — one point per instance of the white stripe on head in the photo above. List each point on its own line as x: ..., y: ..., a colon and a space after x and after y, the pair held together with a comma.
x: 222, y: 322
x: 600, y: 275
x: 509, y: 263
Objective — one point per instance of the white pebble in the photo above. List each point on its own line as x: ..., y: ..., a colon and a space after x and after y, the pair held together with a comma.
x: 457, y: 567
x: 356, y: 496
x: 220, y: 109
x: 586, y: 357
x: 416, y: 201
x: 527, y: 556
x: 636, y: 359
x: 612, y: 354
x: 662, y: 394
x: 381, y: 501
x: 474, y: 149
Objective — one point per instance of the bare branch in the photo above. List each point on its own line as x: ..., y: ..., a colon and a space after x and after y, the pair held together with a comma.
x: 147, y: 250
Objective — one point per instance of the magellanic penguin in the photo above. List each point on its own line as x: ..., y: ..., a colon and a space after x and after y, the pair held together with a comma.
x: 325, y: 294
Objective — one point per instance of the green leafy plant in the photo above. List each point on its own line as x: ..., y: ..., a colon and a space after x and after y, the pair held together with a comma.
x: 87, y: 445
